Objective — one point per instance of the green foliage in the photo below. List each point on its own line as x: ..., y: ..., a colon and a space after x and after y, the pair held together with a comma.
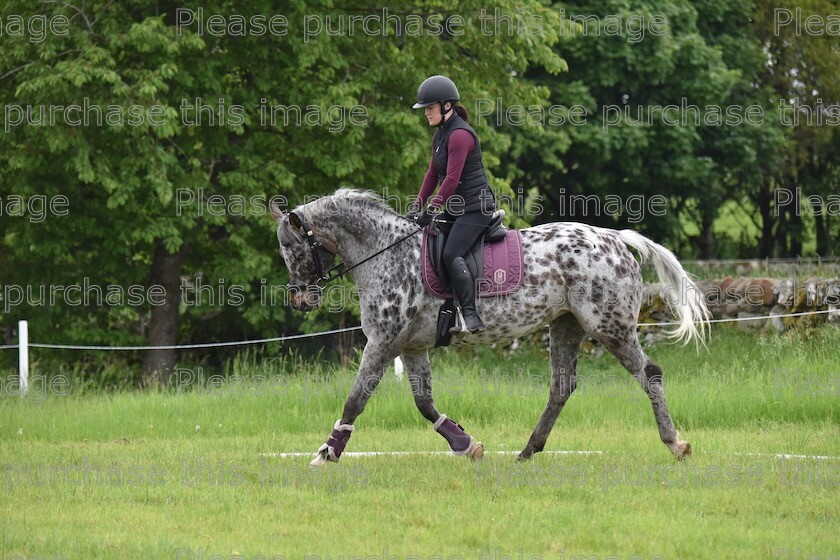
x: 193, y: 118
x: 626, y: 147
x: 127, y: 183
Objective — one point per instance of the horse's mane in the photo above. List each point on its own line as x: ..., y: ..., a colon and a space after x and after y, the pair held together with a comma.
x: 345, y: 201
x: 364, y: 198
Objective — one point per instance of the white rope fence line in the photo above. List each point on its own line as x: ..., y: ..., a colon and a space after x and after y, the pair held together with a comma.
x: 828, y: 260
x: 347, y: 329
x: 24, y: 344
x: 782, y: 260
x: 187, y: 346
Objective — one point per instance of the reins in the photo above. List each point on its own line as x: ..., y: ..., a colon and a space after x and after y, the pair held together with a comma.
x: 314, y: 245
x: 323, y: 278
x: 376, y: 254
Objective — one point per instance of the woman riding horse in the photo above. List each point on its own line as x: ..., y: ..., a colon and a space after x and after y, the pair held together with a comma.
x: 464, y: 199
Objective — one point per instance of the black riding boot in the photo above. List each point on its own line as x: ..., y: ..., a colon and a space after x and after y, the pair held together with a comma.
x: 464, y: 287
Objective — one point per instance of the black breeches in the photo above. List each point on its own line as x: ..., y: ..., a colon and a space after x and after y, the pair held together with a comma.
x: 465, y: 231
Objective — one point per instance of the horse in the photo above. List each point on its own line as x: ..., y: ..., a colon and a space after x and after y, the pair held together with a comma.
x: 580, y: 280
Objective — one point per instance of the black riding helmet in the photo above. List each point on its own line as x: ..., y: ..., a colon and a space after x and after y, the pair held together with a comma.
x: 436, y: 89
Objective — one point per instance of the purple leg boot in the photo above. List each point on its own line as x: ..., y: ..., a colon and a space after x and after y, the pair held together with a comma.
x: 459, y: 441
x: 332, y: 450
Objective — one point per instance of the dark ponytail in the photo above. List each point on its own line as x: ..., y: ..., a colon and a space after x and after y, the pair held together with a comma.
x: 462, y: 112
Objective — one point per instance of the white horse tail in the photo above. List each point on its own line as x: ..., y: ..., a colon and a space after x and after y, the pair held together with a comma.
x: 683, y: 296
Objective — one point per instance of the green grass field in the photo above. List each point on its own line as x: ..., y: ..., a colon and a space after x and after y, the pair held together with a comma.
x: 192, y: 472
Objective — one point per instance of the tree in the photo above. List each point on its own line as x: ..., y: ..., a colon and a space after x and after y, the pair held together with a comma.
x: 803, y: 72
x: 221, y: 116
x: 627, y: 145
x: 720, y: 61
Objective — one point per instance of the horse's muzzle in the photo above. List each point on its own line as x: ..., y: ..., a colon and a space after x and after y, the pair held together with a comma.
x: 305, y: 300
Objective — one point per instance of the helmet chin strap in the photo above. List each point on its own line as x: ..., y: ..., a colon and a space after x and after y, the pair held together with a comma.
x: 442, y: 114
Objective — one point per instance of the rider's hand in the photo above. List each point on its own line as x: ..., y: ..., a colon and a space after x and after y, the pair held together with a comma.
x: 426, y: 217
x: 413, y: 212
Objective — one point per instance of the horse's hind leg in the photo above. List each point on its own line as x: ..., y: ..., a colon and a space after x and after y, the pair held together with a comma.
x: 624, y: 344
x: 419, y: 371
x: 565, y: 336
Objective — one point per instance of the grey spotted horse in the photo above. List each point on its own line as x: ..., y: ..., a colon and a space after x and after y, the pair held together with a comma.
x: 579, y: 280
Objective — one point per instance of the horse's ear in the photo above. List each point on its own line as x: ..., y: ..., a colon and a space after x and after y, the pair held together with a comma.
x: 276, y: 211
x: 294, y: 219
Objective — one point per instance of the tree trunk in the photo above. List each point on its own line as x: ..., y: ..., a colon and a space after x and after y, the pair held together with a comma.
x: 796, y: 232
x: 765, y: 207
x: 707, y: 235
x: 822, y: 225
x: 780, y: 235
x: 163, y: 325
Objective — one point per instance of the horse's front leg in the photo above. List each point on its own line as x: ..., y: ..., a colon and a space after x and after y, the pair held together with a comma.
x: 375, y: 359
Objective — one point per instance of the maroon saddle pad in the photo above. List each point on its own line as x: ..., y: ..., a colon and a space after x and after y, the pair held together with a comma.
x: 503, y: 267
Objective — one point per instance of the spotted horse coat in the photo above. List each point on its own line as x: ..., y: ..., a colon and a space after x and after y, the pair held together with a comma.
x: 579, y: 280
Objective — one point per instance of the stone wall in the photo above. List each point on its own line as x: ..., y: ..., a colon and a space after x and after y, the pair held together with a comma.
x: 765, y: 299
x: 743, y: 298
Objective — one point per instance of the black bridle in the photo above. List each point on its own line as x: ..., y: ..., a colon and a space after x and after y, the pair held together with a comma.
x: 322, y: 278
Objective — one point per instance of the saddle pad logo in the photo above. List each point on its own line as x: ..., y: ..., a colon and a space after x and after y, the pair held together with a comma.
x: 500, y: 276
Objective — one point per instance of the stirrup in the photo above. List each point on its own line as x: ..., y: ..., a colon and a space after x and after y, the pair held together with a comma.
x: 459, y: 328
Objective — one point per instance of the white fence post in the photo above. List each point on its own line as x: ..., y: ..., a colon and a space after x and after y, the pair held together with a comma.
x: 23, y: 354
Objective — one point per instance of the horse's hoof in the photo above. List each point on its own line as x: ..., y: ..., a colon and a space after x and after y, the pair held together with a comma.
x: 522, y: 457
x: 477, y: 451
x: 683, y: 450
x: 319, y: 461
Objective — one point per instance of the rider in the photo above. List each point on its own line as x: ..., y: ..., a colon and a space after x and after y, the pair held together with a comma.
x: 464, y: 199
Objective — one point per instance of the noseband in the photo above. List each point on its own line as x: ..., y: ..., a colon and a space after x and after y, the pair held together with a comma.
x: 314, y: 245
